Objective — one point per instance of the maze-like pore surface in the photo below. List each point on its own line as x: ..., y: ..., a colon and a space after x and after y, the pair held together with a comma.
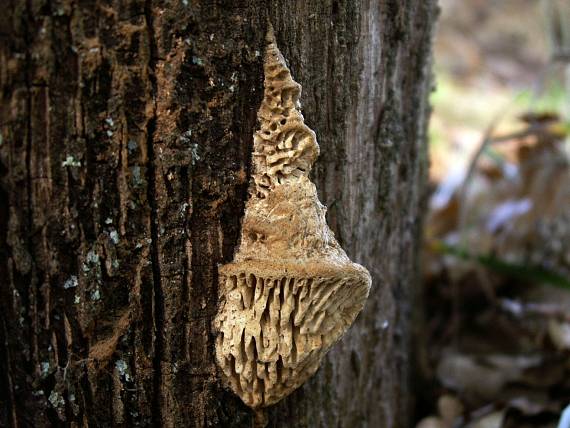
x: 284, y: 147
x: 275, y: 330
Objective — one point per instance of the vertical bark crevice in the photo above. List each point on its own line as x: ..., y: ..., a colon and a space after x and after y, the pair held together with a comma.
x: 31, y: 294
x: 9, y: 413
x: 158, y: 295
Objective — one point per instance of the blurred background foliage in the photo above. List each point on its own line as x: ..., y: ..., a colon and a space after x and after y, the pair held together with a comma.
x: 494, y: 344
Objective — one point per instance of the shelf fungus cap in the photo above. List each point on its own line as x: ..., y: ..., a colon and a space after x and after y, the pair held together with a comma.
x: 291, y: 291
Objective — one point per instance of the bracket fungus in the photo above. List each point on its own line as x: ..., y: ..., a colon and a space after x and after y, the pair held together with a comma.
x: 291, y: 291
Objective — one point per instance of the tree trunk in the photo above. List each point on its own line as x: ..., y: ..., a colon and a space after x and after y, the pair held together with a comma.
x: 125, y: 148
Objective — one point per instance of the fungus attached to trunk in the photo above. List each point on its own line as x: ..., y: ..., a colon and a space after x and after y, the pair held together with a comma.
x: 291, y: 291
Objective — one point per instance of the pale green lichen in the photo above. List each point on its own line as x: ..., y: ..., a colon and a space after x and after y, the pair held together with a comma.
x: 114, y: 235
x: 132, y: 146
x: 71, y: 282
x: 44, y: 368
x: 111, y: 124
x: 185, y: 136
x: 56, y: 399
x: 71, y: 161
x: 234, y: 80
x: 122, y: 369
x: 92, y: 259
x: 194, y: 152
x: 136, y: 173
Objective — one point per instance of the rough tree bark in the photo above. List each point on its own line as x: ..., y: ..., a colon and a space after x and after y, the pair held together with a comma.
x: 126, y: 133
